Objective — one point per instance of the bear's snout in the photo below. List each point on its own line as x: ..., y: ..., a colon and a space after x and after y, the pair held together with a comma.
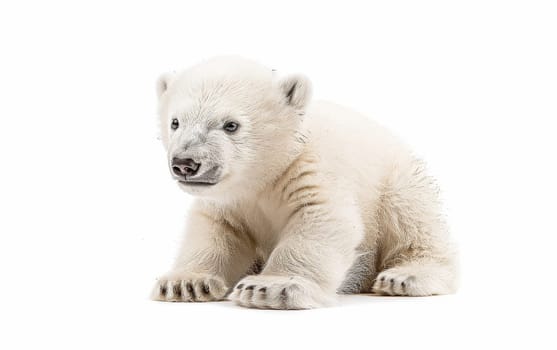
x: 184, y: 167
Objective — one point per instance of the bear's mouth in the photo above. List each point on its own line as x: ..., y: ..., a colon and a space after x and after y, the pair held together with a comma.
x: 197, y: 183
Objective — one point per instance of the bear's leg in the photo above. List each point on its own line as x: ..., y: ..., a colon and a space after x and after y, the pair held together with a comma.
x: 317, y: 248
x: 416, y: 257
x: 215, y: 254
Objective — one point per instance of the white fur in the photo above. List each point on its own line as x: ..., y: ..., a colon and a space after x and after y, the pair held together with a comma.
x: 325, y: 199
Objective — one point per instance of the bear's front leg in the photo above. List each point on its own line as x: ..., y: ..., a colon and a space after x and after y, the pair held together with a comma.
x: 309, y: 264
x: 215, y: 254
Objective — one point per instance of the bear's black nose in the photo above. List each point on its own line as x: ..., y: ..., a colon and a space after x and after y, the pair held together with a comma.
x: 184, y: 167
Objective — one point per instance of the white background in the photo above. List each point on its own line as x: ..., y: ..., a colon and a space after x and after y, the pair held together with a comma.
x: 90, y: 217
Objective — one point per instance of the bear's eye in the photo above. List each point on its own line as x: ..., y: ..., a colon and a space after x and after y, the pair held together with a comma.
x: 230, y: 126
x: 175, y: 124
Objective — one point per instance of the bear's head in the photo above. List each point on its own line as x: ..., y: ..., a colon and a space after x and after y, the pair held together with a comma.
x: 230, y: 126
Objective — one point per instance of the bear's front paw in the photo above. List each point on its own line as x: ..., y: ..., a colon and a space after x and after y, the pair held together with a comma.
x: 185, y: 286
x: 279, y: 292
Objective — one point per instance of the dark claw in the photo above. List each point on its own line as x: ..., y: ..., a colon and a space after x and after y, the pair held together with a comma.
x: 392, y: 285
x: 250, y: 287
x: 205, y: 288
x: 163, y: 289
x: 177, y: 290
x: 263, y: 290
x: 189, y: 287
x: 283, y: 294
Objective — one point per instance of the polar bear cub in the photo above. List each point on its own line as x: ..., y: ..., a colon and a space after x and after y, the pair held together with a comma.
x: 297, y: 200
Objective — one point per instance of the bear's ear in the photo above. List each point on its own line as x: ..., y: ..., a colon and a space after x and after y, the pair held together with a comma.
x: 163, y: 82
x: 296, y: 90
